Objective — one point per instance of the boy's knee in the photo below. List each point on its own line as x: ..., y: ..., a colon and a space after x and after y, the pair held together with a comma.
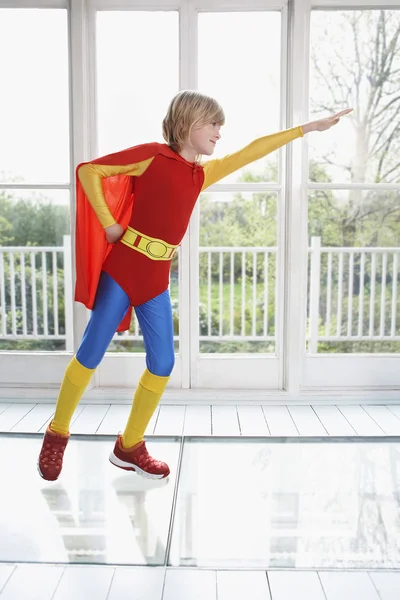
x: 89, y: 359
x: 162, y: 365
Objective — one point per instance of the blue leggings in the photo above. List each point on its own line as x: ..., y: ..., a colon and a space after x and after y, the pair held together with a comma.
x: 155, y: 321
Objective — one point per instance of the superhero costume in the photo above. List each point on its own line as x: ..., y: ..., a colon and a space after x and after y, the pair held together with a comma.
x: 152, y: 190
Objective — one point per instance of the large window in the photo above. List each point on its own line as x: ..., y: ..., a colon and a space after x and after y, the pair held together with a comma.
x: 35, y: 259
x: 238, y: 282
x: 238, y: 229
x: 354, y: 208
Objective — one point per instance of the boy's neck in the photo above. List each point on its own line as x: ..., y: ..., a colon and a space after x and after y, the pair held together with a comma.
x: 188, y: 154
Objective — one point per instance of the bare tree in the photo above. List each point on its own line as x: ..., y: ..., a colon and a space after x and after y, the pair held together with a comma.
x: 362, y: 69
x: 356, y: 62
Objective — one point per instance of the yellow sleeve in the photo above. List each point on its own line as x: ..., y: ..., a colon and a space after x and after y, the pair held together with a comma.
x: 90, y: 176
x: 216, y: 169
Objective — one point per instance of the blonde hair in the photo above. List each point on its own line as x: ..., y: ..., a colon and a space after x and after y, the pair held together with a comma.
x: 187, y: 109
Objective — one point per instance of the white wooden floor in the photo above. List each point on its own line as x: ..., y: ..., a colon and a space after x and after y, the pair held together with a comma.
x: 343, y: 420
x: 53, y: 582
x: 59, y: 582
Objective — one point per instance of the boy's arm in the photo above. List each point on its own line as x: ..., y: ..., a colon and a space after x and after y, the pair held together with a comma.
x: 216, y: 169
x: 90, y: 175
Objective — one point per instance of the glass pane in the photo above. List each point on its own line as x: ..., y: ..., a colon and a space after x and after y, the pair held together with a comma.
x: 237, y: 272
x: 353, y: 300
x: 137, y: 76
x: 243, y: 74
x: 36, y: 292
x: 98, y: 514
x: 312, y: 505
x: 132, y: 103
x: 359, y: 70
x: 34, y: 117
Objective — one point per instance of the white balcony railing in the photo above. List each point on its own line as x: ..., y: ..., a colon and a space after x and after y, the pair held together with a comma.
x: 352, y: 294
x: 36, y: 293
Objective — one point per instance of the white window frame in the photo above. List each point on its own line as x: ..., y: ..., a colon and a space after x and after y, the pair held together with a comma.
x: 339, y: 372
x: 188, y: 10
x: 203, y: 367
x: 42, y: 370
x: 298, y: 368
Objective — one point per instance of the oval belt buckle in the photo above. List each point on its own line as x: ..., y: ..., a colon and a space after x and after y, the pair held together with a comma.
x: 156, y: 249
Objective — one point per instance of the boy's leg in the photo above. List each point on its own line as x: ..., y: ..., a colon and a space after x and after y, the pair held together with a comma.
x: 156, y: 323
x: 110, y: 307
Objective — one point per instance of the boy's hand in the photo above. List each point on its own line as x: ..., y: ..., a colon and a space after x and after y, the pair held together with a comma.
x: 327, y: 123
x: 114, y: 233
x: 324, y: 124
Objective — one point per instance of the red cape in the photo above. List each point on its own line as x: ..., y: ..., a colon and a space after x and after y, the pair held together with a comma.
x: 91, y: 246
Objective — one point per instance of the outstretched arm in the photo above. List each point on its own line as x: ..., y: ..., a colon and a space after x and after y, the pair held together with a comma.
x: 216, y: 169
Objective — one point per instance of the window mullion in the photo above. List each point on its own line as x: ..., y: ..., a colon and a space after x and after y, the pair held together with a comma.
x: 82, y: 94
x: 297, y: 174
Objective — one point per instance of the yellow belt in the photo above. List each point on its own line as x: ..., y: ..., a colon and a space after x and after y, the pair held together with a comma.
x: 152, y: 247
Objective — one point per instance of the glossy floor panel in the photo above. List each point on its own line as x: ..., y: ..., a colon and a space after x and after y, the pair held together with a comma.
x: 265, y: 504
x: 95, y: 512
x: 241, y: 503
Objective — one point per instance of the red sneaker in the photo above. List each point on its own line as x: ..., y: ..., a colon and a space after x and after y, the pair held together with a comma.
x: 51, y: 455
x: 138, y: 459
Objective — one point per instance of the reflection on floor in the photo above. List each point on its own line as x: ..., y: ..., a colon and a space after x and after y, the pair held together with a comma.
x: 239, y: 503
x: 94, y: 513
